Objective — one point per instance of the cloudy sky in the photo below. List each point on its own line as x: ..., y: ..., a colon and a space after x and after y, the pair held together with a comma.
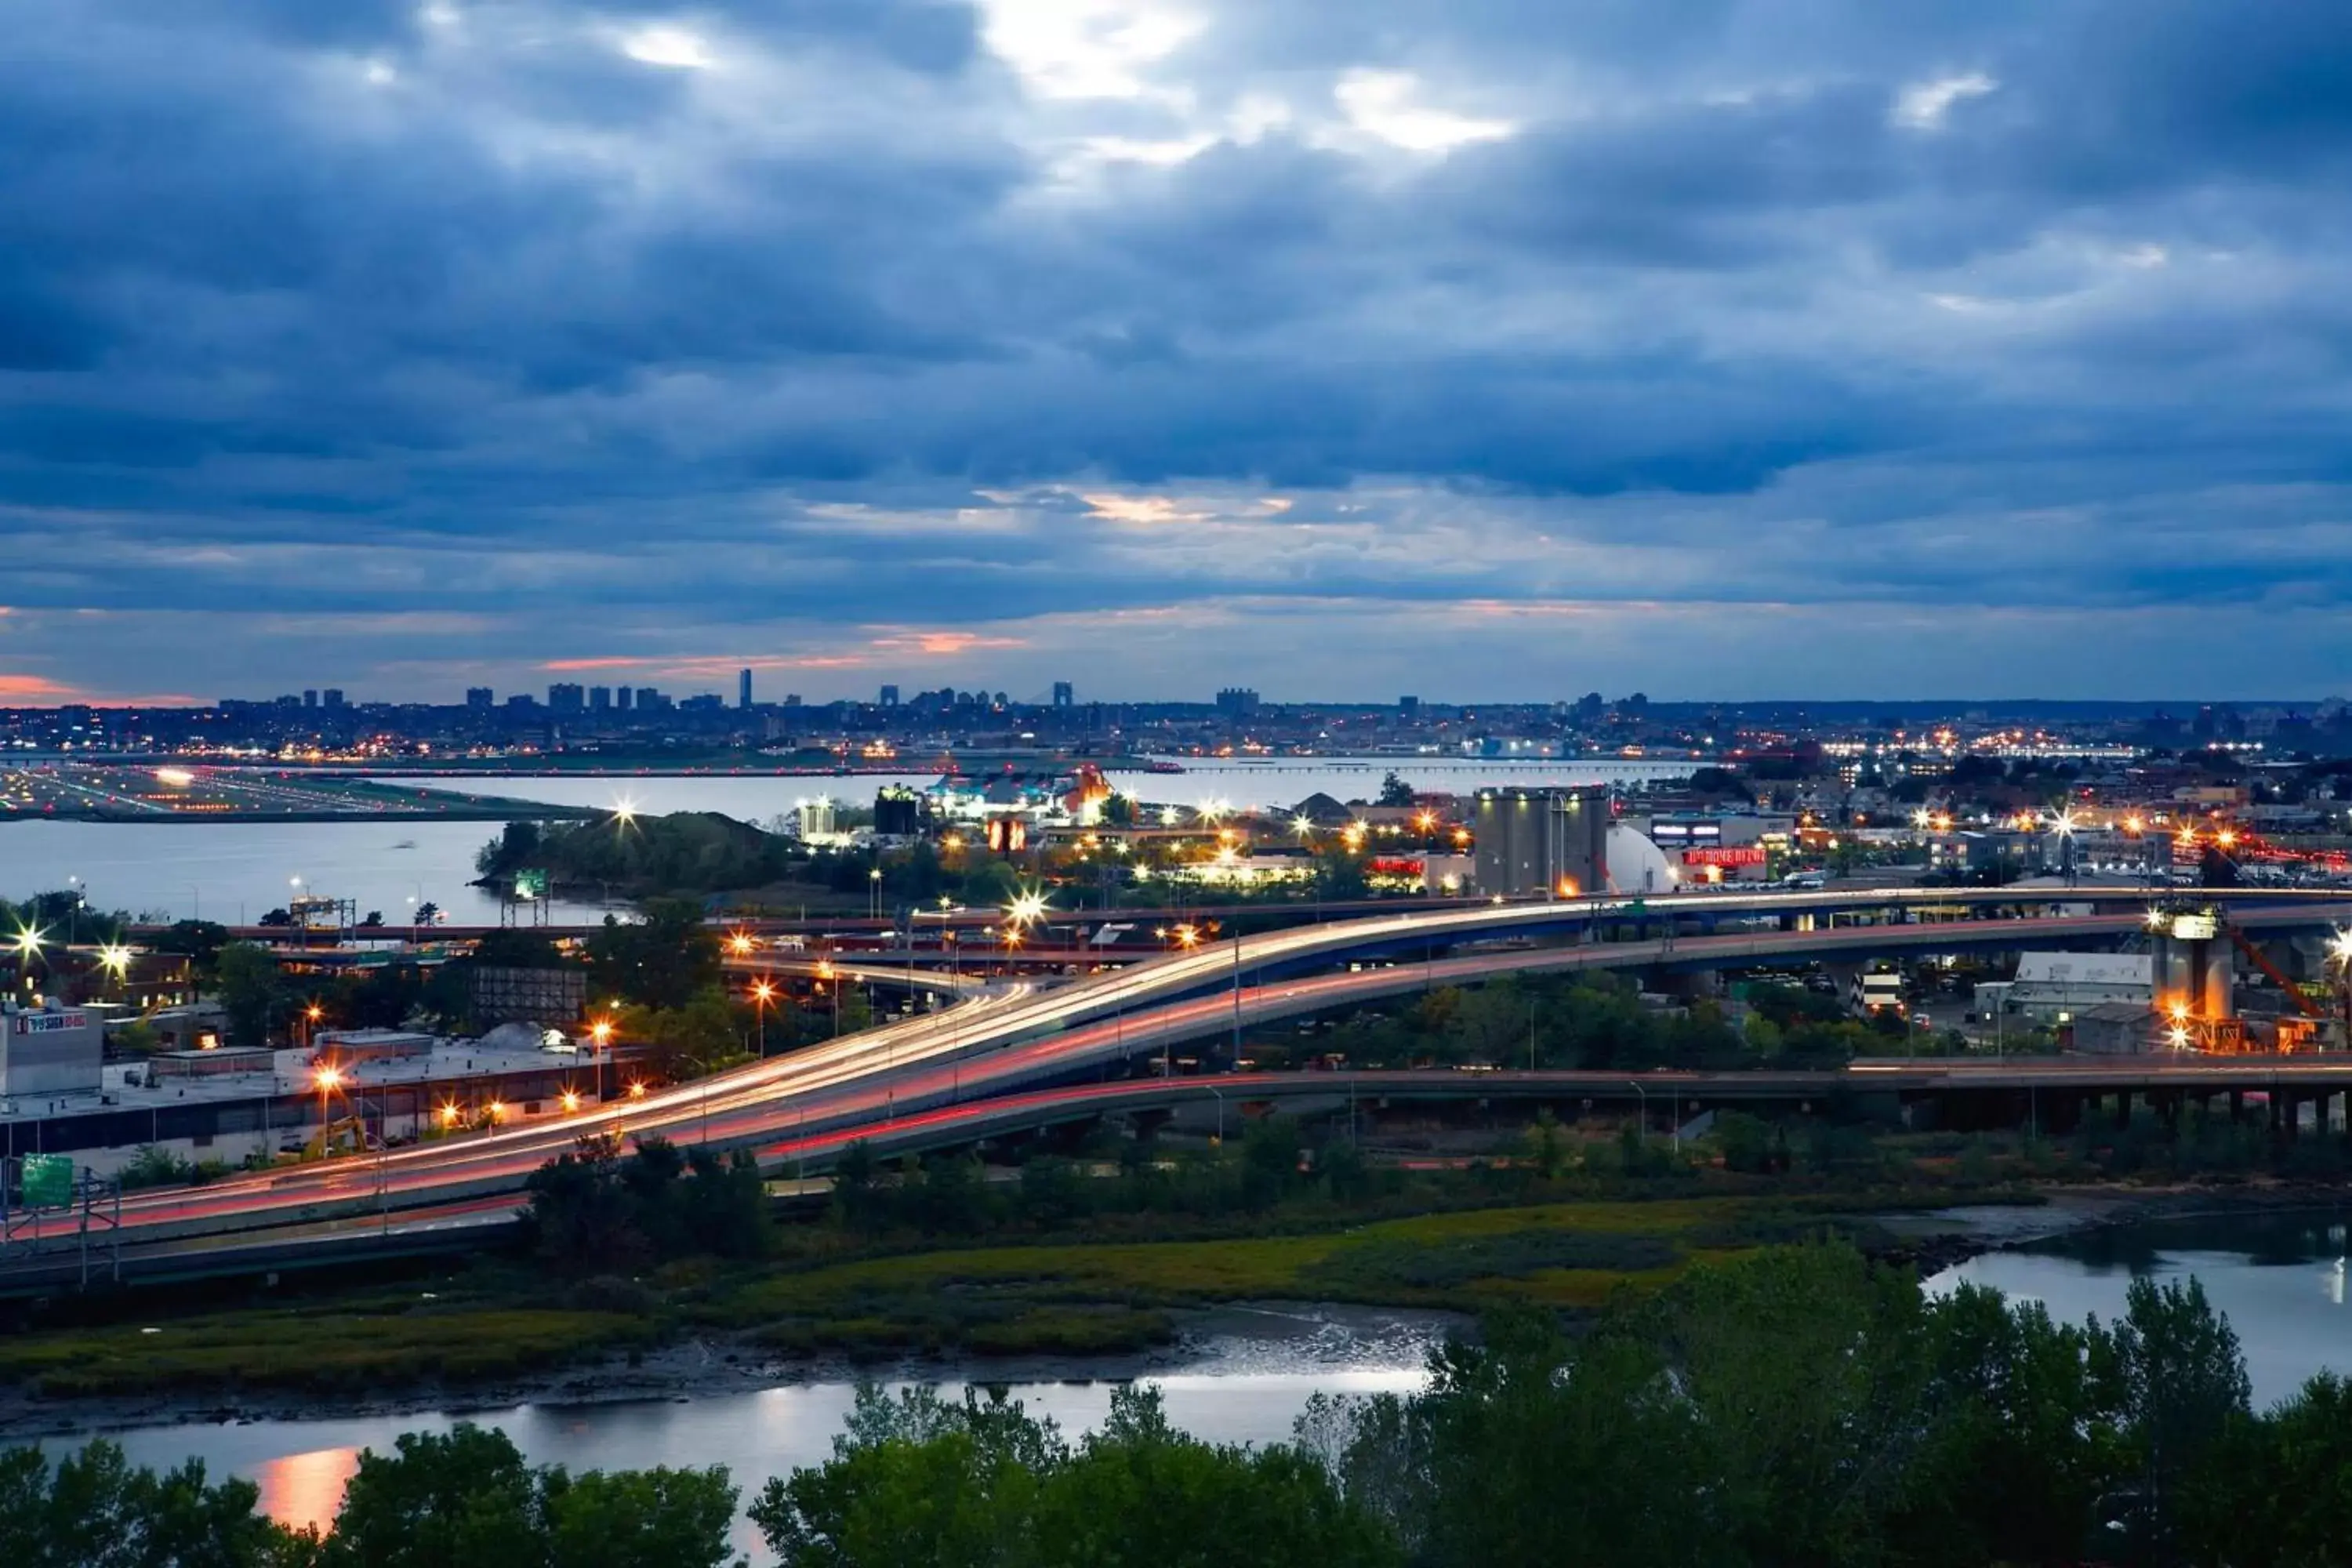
x: 1470, y: 348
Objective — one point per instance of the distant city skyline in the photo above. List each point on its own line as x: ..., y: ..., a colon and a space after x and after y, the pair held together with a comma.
x: 1710, y: 347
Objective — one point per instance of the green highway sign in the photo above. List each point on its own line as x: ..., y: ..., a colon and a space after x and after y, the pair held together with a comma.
x: 47, y: 1180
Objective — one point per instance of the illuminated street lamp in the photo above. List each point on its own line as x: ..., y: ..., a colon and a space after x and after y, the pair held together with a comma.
x: 2339, y: 954
x: 27, y: 943
x: 739, y: 944
x: 601, y: 1033
x: 329, y: 1078
x: 115, y: 959
x: 763, y: 993
x: 571, y: 1101
x: 1188, y: 937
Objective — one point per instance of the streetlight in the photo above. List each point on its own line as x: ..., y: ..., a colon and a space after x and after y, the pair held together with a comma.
x: 28, y: 941
x: 329, y: 1078
x: 601, y: 1033
x: 874, y: 893
x: 740, y: 944
x: 2339, y: 953
x: 115, y: 959
x: 763, y: 993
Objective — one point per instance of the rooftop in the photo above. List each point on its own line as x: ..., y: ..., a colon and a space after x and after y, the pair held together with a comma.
x: 287, y: 1073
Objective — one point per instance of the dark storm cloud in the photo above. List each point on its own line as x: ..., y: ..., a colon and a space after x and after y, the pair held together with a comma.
x: 662, y: 326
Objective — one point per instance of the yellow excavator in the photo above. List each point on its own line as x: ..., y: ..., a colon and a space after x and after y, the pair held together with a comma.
x: 346, y: 1135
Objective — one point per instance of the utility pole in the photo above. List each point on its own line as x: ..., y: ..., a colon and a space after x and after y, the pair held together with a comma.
x: 1235, y: 1062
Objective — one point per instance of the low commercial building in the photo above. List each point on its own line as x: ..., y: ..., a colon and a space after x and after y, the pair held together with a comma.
x: 1719, y: 846
x: 47, y: 1051
x: 239, y: 1106
x: 2115, y: 1029
x: 2052, y: 989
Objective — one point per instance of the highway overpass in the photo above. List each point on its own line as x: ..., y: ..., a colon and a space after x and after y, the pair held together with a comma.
x: 1019, y: 1038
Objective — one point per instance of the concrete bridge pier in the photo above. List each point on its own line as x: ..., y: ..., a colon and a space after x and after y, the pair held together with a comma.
x: 2285, y: 1114
x: 2123, y: 1108
x: 2236, y: 1105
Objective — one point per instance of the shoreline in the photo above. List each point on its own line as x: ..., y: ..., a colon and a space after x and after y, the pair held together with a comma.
x: 714, y: 1366
x: 710, y: 1365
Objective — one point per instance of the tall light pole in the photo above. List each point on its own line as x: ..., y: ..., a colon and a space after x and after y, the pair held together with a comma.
x: 1235, y: 1064
x: 601, y: 1033
x: 328, y: 1078
x: 763, y: 993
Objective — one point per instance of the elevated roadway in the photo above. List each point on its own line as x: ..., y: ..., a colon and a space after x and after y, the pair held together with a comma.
x: 1019, y: 1038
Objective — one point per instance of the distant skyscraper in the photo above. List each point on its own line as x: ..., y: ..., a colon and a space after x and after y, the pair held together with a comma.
x: 628, y: 699
x: 332, y: 697
x: 742, y: 689
x: 1063, y: 697
x: 566, y: 697
x: 311, y: 700
x: 648, y: 698
x: 889, y: 697
x: 600, y: 699
x: 480, y: 696
x: 1409, y: 707
x: 1237, y: 701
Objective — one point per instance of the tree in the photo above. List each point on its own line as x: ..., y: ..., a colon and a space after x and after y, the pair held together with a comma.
x: 661, y: 961
x: 466, y: 1497
x: 199, y: 942
x: 461, y: 1498
x: 93, y: 1510
x: 982, y: 1484
x: 661, y: 1518
x: 251, y: 990
x: 516, y: 847
x: 1394, y: 790
x: 2024, y: 1442
x: 2182, y: 1382
x: 1805, y: 1366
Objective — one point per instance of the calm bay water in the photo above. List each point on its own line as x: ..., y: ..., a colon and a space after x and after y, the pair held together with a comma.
x: 2279, y: 1277
x: 1247, y: 1386
x: 233, y: 871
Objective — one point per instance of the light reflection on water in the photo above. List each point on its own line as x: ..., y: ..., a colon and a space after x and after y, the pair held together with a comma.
x: 1246, y: 1389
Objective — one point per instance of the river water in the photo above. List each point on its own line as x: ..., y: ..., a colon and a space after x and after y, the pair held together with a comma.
x: 1250, y: 1375
x: 2279, y: 1278
x: 234, y: 871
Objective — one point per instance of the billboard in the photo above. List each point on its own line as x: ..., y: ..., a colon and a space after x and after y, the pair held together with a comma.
x: 530, y: 882
x: 1724, y: 854
x: 47, y: 1180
